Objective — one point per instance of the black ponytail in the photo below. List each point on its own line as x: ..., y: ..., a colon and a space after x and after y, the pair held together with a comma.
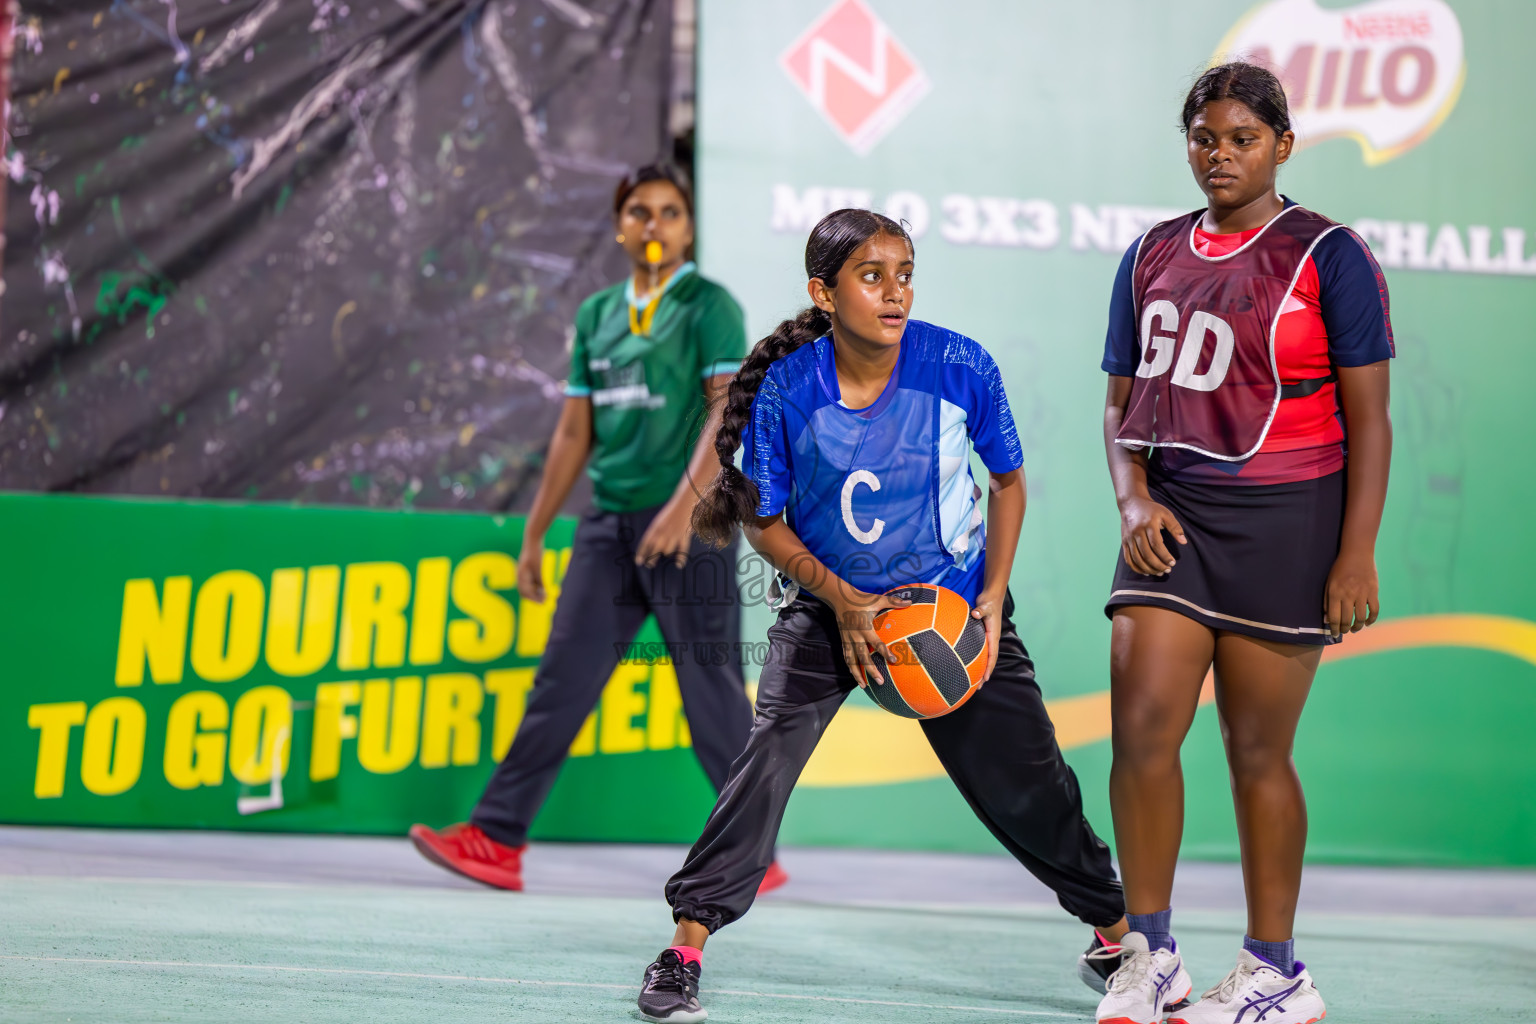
x: 733, y: 498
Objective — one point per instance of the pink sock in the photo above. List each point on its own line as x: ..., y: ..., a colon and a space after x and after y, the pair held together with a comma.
x: 688, y: 953
x: 1102, y: 940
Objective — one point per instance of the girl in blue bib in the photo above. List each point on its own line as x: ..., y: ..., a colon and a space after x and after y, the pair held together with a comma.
x: 856, y: 426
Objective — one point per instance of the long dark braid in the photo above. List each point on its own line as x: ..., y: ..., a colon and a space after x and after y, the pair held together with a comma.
x: 733, y: 498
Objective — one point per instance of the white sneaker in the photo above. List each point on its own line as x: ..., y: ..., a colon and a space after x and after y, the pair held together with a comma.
x: 1147, y: 983
x: 1257, y: 993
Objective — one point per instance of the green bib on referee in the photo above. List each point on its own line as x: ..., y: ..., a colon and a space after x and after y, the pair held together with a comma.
x: 647, y: 390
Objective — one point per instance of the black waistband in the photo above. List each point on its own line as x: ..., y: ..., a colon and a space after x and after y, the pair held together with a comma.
x: 1303, y: 388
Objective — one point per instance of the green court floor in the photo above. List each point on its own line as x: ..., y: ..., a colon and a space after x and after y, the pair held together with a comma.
x: 100, y: 950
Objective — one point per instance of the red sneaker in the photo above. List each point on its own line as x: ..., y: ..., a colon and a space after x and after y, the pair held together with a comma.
x: 772, y: 879
x: 472, y: 853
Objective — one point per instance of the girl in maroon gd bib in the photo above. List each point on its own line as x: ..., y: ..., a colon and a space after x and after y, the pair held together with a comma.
x: 1248, y: 439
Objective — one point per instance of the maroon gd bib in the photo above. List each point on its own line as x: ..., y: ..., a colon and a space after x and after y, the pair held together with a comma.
x: 1208, y: 379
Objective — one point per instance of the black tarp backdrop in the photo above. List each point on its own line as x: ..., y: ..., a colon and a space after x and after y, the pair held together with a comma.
x: 311, y: 249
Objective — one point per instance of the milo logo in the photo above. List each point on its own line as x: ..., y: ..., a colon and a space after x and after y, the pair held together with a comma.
x: 1385, y: 73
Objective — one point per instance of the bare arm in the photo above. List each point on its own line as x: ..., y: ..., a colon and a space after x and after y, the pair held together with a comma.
x: 568, y: 451
x: 1142, y: 520
x: 1352, y: 601
x: 1127, y: 469
x: 1005, y: 518
x: 669, y: 534
x: 704, y: 466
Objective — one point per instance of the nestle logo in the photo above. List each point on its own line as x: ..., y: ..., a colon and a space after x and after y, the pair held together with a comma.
x: 855, y: 73
x: 1389, y: 26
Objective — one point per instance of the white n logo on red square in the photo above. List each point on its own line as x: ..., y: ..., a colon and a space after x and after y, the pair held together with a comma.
x: 855, y: 73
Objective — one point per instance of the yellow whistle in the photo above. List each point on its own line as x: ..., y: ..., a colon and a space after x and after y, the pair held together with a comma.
x: 653, y: 252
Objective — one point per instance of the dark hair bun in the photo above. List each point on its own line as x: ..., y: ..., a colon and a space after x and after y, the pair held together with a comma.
x: 1254, y: 86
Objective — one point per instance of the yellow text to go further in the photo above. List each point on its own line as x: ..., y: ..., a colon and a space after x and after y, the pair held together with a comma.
x: 383, y: 726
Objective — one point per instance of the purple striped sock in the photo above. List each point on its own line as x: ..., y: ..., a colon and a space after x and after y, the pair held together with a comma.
x: 1279, y: 955
x: 1156, y: 927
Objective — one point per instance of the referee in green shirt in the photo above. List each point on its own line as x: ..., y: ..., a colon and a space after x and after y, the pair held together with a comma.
x: 649, y: 357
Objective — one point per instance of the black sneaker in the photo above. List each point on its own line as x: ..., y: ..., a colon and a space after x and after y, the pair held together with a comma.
x: 1098, y: 962
x: 670, y: 993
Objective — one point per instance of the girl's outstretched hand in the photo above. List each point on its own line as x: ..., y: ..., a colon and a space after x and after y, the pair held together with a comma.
x: 856, y: 622
x: 990, y: 611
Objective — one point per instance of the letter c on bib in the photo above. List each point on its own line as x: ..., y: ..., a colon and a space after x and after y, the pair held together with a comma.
x: 860, y: 476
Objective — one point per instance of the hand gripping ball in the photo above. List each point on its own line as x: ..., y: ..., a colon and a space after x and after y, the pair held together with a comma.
x: 938, y: 653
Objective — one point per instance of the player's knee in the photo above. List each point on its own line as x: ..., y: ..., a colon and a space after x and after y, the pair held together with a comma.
x: 1258, y: 760
x: 1145, y: 738
x: 1146, y: 759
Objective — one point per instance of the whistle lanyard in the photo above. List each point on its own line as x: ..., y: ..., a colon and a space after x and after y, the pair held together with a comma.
x: 642, y: 317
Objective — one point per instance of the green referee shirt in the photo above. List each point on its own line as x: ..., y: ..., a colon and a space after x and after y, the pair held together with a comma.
x: 647, y: 391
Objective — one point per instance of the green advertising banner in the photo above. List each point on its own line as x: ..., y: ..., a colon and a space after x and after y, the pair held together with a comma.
x: 1028, y: 144
x: 268, y: 667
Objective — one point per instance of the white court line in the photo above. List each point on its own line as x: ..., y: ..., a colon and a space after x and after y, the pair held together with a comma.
x: 302, y: 970
x: 519, y: 981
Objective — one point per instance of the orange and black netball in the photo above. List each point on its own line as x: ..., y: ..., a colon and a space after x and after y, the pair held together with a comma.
x: 938, y: 653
